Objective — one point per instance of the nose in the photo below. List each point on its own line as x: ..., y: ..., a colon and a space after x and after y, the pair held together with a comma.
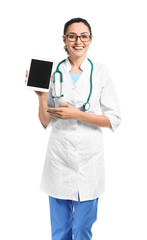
x: 78, y: 40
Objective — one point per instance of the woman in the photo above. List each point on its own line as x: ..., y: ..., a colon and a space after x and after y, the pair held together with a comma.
x: 74, y: 174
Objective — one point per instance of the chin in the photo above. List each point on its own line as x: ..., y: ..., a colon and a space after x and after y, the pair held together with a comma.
x: 78, y: 54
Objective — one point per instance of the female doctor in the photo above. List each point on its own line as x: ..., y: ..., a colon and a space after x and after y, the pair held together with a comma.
x: 73, y: 175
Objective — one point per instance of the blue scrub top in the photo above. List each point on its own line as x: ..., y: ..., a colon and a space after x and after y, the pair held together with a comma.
x: 74, y: 76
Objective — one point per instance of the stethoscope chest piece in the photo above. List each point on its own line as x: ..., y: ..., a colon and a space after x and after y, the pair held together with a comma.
x: 86, y: 106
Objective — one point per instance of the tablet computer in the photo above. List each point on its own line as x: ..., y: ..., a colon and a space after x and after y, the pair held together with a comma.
x: 39, y: 75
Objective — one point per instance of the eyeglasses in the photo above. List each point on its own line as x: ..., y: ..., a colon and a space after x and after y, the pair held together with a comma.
x: 73, y: 37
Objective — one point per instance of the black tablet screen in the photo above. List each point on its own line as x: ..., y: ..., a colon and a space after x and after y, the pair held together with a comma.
x: 40, y: 73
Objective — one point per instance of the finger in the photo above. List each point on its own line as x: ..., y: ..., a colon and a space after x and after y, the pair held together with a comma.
x: 52, y: 78
x: 50, y: 110
x: 26, y: 73
x: 54, y: 110
x: 55, y: 115
x: 63, y: 105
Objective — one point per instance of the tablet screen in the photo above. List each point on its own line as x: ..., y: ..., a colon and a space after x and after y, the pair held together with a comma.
x: 40, y: 74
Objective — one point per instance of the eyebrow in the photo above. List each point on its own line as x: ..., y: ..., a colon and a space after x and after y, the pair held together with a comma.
x: 75, y: 33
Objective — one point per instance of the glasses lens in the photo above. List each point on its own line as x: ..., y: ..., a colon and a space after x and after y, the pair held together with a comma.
x: 85, y: 38
x: 72, y: 38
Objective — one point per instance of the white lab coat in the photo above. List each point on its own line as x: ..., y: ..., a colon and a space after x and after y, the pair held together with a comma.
x: 75, y: 157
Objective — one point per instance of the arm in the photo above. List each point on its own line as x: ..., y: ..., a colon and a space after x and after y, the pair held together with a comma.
x: 109, y: 102
x: 66, y: 111
x: 96, y: 120
x: 44, y: 116
x: 45, y: 101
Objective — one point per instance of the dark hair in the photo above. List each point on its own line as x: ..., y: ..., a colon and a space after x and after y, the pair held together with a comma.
x: 76, y: 20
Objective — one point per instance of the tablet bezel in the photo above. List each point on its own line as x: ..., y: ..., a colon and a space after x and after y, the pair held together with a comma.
x: 37, y: 88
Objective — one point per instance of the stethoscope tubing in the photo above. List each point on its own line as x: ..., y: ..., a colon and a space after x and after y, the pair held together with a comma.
x: 86, y: 105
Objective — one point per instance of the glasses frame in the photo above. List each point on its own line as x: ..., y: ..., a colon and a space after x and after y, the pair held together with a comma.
x: 77, y: 37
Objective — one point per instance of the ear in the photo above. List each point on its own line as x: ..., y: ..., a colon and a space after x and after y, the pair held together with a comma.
x: 91, y: 39
x: 64, y: 39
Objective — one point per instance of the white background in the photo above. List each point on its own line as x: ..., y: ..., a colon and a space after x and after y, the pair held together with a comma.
x: 34, y: 29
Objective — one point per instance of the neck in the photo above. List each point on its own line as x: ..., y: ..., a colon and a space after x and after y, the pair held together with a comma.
x: 76, y: 61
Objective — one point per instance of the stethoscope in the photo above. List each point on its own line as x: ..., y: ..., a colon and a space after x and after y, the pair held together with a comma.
x: 86, y: 105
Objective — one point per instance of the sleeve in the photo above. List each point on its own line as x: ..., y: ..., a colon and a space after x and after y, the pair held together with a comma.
x: 50, y: 100
x: 109, y: 102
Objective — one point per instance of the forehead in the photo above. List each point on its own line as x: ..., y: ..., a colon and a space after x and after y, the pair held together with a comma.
x: 78, y: 28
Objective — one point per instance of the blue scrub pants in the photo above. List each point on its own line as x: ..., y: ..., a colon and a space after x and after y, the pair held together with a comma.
x: 72, y: 219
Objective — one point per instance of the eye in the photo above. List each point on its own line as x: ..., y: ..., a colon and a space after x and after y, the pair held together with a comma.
x: 85, y: 36
x: 72, y: 36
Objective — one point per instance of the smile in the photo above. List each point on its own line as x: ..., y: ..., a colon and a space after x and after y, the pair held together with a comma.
x: 78, y: 48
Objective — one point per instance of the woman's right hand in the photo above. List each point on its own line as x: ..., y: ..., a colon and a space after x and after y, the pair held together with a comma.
x: 40, y: 94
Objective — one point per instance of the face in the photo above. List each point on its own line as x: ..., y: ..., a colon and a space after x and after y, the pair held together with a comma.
x: 78, y: 48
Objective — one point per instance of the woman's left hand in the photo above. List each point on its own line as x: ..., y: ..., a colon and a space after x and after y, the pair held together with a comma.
x: 63, y: 111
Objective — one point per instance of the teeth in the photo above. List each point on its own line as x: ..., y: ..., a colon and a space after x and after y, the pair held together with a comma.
x: 78, y: 47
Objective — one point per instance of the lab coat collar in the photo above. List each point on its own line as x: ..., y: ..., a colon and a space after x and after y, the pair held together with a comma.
x: 83, y: 65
